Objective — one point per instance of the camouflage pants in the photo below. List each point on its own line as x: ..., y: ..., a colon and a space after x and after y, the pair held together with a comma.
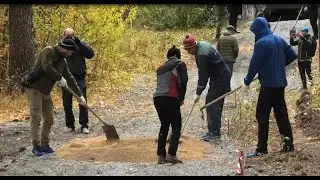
x: 221, y: 22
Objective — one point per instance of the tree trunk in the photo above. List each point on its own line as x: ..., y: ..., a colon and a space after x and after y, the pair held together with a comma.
x: 4, y: 49
x: 319, y: 34
x: 21, y: 38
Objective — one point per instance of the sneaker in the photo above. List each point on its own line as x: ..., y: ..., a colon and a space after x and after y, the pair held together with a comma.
x: 71, y: 129
x: 161, y: 159
x: 288, y: 145
x: 256, y: 154
x: 47, y: 149
x: 206, y: 135
x: 311, y: 82
x: 212, y: 138
x: 173, y: 159
x: 36, y: 150
x: 85, y: 131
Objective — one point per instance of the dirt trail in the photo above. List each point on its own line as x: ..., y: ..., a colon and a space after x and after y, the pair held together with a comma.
x: 134, y: 117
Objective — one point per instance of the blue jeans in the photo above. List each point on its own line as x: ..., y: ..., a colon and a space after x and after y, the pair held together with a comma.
x: 67, y: 105
x: 214, y: 112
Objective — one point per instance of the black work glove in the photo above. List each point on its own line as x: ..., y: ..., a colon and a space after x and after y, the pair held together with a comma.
x: 77, y: 41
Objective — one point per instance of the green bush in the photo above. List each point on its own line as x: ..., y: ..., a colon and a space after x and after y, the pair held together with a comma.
x: 178, y: 16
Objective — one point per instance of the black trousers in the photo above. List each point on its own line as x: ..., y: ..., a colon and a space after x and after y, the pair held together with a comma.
x: 67, y: 105
x: 168, y: 109
x: 271, y: 98
x: 305, y: 68
x: 233, y: 19
x: 313, y: 17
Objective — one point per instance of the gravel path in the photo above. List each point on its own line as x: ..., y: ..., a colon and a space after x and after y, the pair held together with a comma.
x: 134, y: 116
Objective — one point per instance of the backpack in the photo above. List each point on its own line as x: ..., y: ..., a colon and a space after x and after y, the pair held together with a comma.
x: 31, y: 76
x: 313, y: 46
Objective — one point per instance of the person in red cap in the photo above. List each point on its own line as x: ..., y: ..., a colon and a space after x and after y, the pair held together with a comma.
x: 210, y: 66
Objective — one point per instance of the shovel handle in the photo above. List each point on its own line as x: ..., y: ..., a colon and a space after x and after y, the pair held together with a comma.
x: 85, y: 105
x: 184, y: 125
x: 276, y: 24
x: 223, y: 96
x: 298, y: 16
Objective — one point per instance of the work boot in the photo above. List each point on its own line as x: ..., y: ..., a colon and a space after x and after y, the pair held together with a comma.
x: 36, y: 150
x: 288, y: 145
x: 46, y: 149
x: 173, y: 159
x: 162, y: 159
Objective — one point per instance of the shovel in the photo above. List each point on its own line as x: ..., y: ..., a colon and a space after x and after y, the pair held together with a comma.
x: 221, y: 97
x: 109, y: 130
x: 184, y: 125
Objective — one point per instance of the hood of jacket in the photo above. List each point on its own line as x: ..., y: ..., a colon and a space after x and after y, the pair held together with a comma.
x: 260, y: 28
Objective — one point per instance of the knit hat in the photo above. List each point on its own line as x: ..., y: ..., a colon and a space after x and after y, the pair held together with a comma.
x: 305, y: 29
x: 68, y: 43
x: 231, y: 28
x: 189, y: 42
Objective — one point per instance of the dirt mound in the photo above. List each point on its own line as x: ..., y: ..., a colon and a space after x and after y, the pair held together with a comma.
x: 127, y: 150
x: 307, y: 117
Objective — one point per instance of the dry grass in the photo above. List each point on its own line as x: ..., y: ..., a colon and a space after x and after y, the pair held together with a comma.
x: 15, y: 107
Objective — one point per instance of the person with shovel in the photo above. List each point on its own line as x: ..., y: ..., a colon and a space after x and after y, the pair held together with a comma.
x: 305, y: 53
x: 52, y: 67
x: 172, y: 78
x: 211, y: 65
x: 270, y: 57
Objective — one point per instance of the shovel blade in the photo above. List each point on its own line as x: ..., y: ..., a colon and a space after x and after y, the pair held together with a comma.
x: 110, y: 132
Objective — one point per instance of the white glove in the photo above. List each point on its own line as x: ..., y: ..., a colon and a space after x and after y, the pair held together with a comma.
x: 82, y: 101
x: 196, y: 98
x: 62, y: 82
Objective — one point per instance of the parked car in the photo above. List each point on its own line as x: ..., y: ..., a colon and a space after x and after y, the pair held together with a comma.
x: 272, y: 12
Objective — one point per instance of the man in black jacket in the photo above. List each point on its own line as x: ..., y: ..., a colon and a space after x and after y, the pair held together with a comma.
x: 313, y: 17
x: 234, y: 10
x: 304, y: 54
x: 78, y: 68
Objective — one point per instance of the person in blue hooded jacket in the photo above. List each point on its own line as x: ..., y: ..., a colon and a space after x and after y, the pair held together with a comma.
x: 270, y: 57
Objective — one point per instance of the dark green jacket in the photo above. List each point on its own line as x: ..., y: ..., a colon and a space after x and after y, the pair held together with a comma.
x: 220, y: 10
x: 52, y: 66
x: 211, y: 65
x: 228, y: 47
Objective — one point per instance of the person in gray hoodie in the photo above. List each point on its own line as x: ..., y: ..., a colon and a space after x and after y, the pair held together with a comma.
x: 172, y: 78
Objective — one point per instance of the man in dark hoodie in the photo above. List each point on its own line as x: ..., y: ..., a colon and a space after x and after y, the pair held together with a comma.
x: 270, y: 57
x: 211, y: 65
x: 78, y: 69
x: 304, y: 54
x: 172, y: 78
